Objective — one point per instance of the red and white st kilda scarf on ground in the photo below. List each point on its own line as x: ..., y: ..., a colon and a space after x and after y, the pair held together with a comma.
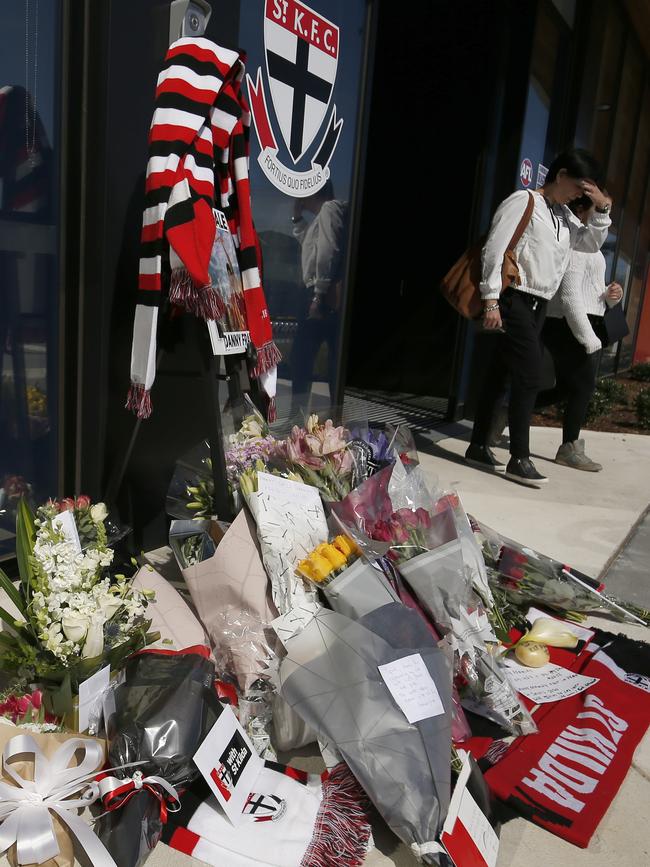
x: 294, y: 820
x: 565, y: 777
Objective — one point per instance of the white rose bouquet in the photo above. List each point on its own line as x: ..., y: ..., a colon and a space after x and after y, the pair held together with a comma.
x: 71, y: 616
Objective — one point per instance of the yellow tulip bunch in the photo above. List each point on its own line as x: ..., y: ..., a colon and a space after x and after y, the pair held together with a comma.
x: 328, y: 560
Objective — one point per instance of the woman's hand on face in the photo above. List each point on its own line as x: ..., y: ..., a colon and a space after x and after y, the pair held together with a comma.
x: 597, y: 196
x: 492, y: 318
x: 614, y: 291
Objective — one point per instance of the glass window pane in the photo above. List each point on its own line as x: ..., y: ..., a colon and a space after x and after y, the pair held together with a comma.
x: 626, y: 119
x: 634, y: 293
x: 29, y: 150
x: 600, y: 81
x: 304, y: 68
x: 640, y: 163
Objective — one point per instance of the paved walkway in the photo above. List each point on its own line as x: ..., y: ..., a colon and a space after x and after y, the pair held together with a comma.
x: 628, y: 574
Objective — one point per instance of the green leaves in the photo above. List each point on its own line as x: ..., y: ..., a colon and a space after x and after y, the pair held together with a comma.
x: 22, y: 632
x: 25, y: 538
x: 58, y: 700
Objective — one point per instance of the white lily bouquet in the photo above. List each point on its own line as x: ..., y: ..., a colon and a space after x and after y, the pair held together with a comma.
x: 71, y: 614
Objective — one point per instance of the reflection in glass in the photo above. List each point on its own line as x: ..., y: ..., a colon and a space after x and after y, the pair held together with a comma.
x: 28, y: 261
x: 322, y: 242
x: 304, y: 91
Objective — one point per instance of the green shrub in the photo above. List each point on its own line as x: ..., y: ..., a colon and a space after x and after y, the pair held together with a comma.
x: 614, y: 389
x: 607, y: 394
x: 641, y: 371
x: 643, y: 407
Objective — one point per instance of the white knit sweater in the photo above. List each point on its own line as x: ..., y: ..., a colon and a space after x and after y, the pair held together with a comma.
x: 582, y: 292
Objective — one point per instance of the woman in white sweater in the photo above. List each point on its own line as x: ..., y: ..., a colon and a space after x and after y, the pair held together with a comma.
x: 542, y: 257
x: 573, y: 333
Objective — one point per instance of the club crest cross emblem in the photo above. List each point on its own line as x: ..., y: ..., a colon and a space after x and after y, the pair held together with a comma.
x: 301, y: 50
x: 264, y: 808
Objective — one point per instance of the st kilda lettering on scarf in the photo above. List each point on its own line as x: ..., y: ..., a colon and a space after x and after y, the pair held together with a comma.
x: 229, y: 764
x: 565, y: 777
x: 228, y: 333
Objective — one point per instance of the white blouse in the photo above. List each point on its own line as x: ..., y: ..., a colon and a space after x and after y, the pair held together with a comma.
x: 543, y: 249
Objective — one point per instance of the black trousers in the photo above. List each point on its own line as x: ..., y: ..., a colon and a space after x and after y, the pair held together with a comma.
x: 575, y: 374
x: 518, y: 356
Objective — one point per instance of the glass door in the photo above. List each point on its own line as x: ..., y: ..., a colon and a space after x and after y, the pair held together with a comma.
x: 305, y: 69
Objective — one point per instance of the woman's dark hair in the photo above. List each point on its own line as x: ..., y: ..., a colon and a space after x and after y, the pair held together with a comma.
x: 578, y: 163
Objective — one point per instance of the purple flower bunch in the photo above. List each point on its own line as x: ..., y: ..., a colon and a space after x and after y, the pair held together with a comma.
x: 381, y: 451
x: 241, y: 456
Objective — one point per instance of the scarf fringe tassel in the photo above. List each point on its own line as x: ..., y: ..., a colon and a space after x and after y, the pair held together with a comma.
x: 342, y: 827
x: 268, y: 356
x: 204, y: 302
x: 139, y: 400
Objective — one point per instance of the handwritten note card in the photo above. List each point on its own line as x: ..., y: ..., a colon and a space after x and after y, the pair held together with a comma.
x: 288, y: 490
x: 548, y: 683
x: 412, y: 687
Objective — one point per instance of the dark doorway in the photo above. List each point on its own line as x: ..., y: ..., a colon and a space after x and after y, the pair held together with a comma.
x: 434, y: 90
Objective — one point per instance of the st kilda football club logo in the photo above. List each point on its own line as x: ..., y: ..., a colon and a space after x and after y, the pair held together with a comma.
x: 264, y: 808
x: 301, y: 50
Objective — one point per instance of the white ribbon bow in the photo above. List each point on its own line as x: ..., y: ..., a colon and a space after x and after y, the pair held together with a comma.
x: 25, y: 810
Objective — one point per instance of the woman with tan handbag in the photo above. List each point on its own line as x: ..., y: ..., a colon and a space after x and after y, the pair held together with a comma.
x: 518, y: 310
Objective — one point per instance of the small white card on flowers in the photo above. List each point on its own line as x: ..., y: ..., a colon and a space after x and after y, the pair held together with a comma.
x: 409, y: 682
x: 467, y: 835
x: 229, y: 764
x: 65, y: 521
x: 548, y: 683
x: 288, y: 491
x: 91, y: 692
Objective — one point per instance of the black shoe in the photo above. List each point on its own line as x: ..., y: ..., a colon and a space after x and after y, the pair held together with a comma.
x: 523, y: 470
x: 483, y: 458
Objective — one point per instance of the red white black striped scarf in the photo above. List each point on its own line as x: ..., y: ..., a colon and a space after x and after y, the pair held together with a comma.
x: 198, y: 160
